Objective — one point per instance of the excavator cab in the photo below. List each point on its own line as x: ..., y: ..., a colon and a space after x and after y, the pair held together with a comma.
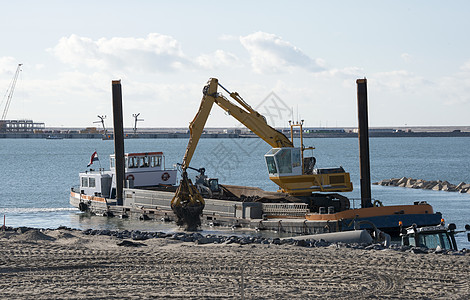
x: 285, y: 168
x: 296, y: 174
x: 284, y: 162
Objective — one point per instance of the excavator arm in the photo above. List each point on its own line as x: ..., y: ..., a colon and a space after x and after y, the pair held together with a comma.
x: 187, y: 202
x: 244, y: 114
x: 285, y: 162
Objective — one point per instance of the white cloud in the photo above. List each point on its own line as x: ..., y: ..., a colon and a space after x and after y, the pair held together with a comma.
x: 455, y: 89
x: 270, y: 53
x: 77, y: 51
x: 156, y: 52
x: 406, y: 57
x: 466, y: 66
x: 228, y: 37
x: 399, y: 81
x: 346, y: 72
x: 216, y: 59
x: 8, y: 65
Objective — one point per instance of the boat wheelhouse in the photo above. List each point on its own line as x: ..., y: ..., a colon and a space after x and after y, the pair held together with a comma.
x: 146, y: 169
x: 142, y: 170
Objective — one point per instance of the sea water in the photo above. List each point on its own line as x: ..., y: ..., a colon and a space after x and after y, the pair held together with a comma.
x: 37, y: 174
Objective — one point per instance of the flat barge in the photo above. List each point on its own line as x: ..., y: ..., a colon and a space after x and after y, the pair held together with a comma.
x: 139, y: 186
x: 236, y: 206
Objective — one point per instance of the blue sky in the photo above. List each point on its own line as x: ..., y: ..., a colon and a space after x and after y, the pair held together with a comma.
x: 415, y: 55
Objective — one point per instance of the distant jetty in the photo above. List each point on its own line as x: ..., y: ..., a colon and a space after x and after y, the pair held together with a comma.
x: 183, y: 133
x: 435, y: 185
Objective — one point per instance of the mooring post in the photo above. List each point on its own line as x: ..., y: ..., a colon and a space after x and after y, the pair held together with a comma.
x: 363, y: 134
x: 118, y: 140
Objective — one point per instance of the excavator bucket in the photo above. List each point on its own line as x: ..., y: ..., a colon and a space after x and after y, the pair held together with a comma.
x: 187, y: 204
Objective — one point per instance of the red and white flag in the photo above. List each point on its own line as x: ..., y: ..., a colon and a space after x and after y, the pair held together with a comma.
x: 94, y: 157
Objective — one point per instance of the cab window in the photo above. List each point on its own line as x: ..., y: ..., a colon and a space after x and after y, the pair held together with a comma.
x: 434, y: 240
x: 284, y: 161
x: 296, y: 157
x: 271, y: 165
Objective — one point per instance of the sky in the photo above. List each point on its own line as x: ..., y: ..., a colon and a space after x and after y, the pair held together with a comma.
x: 291, y: 60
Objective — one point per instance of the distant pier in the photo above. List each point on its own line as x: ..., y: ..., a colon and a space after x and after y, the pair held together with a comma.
x: 183, y: 133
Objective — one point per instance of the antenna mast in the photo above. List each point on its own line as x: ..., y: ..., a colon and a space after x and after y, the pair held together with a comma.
x: 135, y: 121
x: 102, y: 123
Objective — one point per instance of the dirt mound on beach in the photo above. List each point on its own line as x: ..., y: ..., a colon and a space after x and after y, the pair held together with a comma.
x: 32, y: 235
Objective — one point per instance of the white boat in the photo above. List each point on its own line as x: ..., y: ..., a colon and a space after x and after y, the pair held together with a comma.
x: 54, y: 137
x: 142, y: 170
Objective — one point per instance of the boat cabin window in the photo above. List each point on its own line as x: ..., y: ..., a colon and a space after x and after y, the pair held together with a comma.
x: 155, y: 161
x: 138, y: 161
x: 84, y: 182
x: 133, y: 162
x: 88, y: 182
x: 144, y: 162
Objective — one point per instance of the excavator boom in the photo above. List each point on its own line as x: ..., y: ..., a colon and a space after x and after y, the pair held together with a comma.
x: 245, y: 115
x: 286, y: 164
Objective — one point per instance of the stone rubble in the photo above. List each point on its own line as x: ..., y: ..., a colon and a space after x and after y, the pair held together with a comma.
x: 127, y: 238
x: 435, y: 185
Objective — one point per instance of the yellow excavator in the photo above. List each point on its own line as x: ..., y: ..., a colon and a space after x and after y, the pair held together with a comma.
x: 287, y: 167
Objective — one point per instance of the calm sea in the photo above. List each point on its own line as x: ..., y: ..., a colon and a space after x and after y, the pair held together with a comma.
x: 37, y: 174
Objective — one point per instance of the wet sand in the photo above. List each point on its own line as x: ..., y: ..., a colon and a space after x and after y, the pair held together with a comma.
x: 68, y: 264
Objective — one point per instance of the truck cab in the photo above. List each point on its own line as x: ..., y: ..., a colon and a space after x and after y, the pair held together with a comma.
x: 430, y: 237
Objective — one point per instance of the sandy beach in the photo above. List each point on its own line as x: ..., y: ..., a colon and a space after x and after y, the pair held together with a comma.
x: 67, y: 264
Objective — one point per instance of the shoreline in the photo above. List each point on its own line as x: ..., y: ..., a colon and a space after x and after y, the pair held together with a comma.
x: 68, y: 263
x: 180, y: 135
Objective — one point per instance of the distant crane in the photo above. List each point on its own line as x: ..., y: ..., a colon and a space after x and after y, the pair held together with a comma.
x: 135, y: 122
x: 10, y: 91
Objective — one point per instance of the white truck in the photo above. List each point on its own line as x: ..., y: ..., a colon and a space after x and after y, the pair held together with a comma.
x: 432, y: 237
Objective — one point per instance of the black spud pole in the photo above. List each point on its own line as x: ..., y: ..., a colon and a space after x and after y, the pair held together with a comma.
x: 118, y: 140
x: 363, y: 134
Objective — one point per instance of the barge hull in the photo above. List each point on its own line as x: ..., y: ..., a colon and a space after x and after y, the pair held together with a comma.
x: 155, y: 205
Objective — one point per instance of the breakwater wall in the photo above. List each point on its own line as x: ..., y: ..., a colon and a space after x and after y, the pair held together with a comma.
x: 185, y: 135
x: 435, y: 185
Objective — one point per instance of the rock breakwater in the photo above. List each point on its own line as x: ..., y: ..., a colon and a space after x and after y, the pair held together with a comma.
x: 435, y: 185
